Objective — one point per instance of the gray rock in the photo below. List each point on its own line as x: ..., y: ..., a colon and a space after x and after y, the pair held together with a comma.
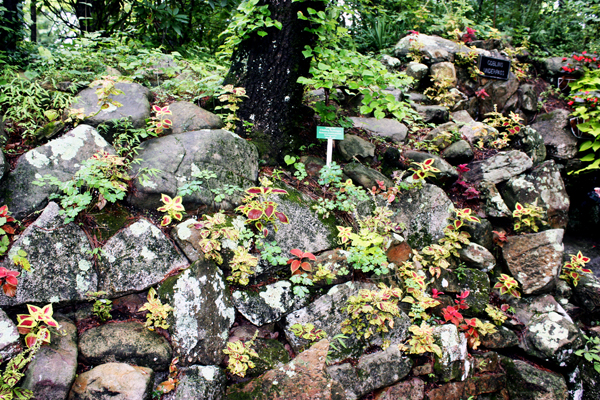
x: 61, y: 263
x: 474, y: 131
x: 10, y: 344
x: 475, y: 281
x: 481, y: 232
x: 434, y: 114
x: 501, y: 339
x: 424, y: 212
x: 127, y: 342
x: 554, y: 127
x: 416, y: 70
x: 269, y: 304
x: 544, y: 186
x: 453, y: 364
x: 391, y: 62
x: 587, y: 293
x: 136, y: 258
x: 187, y: 117
x: 434, y: 49
x: 113, y: 381
x: 203, y: 313
x: 498, y: 168
x: 458, y: 153
x: 553, y: 66
x: 60, y: 158
x: 500, y: 92
x: 326, y: 314
x: 417, y: 98
x: 443, y: 71
x: 201, y: 382
x: 180, y: 156
x: 531, y: 143
x: 447, y: 172
x: 588, y: 377
x: 386, y: 127
x: 550, y: 333
x: 410, y: 389
x: 461, y: 117
x: 477, y: 256
x: 528, y: 98
x: 534, y: 259
x: 354, y: 146
x: 135, y: 100
x: 494, y: 206
x: 364, y: 176
x: 372, y: 372
x: 52, y: 371
x: 526, y: 382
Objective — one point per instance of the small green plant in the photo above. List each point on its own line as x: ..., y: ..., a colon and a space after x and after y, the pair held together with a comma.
x: 232, y: 96
x: 202, y: 176
x: 527, y: 217
x: 422, y: 341
x: 107, y: 88
x: 591, y: 352
x: 371, y: 312
x: 13, y: 372
x: 159, y: 122
x: 423, y: 170
x: 157, y: 313
x: 36, y: 325
x: 212, y: 230
x: 172, y: 208
x: 260, y: 210
x: 440, y: 92
x: 5, y: 229
x: 239, y: 356
x: 573, y: 270
x: 506, y: 126
x: 242, y: 266
x: 270, y: 252
x: 308, y: 332
x: 101, y: 307
x: 20, y: 259
x: 507, y: 284
x: 496, y: 314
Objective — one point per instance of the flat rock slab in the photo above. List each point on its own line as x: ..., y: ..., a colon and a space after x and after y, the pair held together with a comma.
x: 364, y: 176
x: 534, y: 259
x: 326, y: 313
x: 61, y: 262
x: 60, y: 158
x: 52, y: 372
x: 304, y: 378
x: 203, y: 313
x: 372, y: 372
x: 127, y: 342
x: 498, y: 168
x: 270, y: 304
x: 386, y: 127
x: 180, y: 156
x: 135, y: 101
x: 555, y: 129
x: 355, y: 146
x: 136, y: 258
x: 113, y: 381
x: 543, y: 186
x: 187, y: 117
x: 201, y: 382
x: 433, y: 48
x: 10, y: 344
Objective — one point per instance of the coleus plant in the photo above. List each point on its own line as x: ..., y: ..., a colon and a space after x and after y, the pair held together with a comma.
x: 159, y: 123
x: 242, y: 266
x: 8, y: 281
x: 423, y: 170
x: 260, y: 210
x: 573, y: 269
x: 308, y: 332
x: 36, y: 324
x: 172, y: 207
x: 508, y: 284
x: 157, y: 312
x: 422, y: 340
x: 5, y: 229
x: 301, y: 261
x: 239, y: 356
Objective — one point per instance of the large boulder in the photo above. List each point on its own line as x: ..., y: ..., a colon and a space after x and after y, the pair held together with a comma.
x: 500, y: 92
x: 355, y: 146
x: 52, y: 371
x: 531, y: 142
x: 373, y: 371
x: 180, y: 157
x: 61, y: 262
x: 424, y: 214
x: 10, y: 344
x: 201, y: 382
x: 454, y: 363
x: 498, y: 168
x: 534, y: 259
x: 443, y: 71
x: 113, y: 381
x: 128, y: 342
x: 555, y: 128
x: 526, y: 382
x: 447, y: 172
x: 544, y: 186
x: 304, y: 378
x: 136, y: 258
x: 587, y: 293
x: 326, y: 313
x: 135, y: 100
x: 60, y: 158
x: 202, y: 315
x: 187, y: 117
x: 417, y: 71
x: 364, y: 176
x: 434, y: 49
x: 433, y: 114
x: 388, y: 128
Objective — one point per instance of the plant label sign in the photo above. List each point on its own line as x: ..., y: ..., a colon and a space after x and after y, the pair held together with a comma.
x: 330, y: 133
x: 495, y: 68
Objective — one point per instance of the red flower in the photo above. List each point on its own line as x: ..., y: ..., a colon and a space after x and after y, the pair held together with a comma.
x: 435, y: 293
x: 584, y: 52
x: 564, y: 59
x: 570, y: 103
x: 482, y: 94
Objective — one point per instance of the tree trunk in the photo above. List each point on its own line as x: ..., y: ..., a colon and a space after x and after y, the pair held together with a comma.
x: 268, y: 68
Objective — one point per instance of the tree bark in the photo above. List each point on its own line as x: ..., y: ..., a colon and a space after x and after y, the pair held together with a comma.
x: 268, y: 68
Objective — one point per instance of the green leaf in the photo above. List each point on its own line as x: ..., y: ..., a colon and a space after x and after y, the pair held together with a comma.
x: 588, y: 157
x: 262, y: 33
x: 585, y: 145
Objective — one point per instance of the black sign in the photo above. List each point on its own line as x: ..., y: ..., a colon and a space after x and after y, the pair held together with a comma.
x: 496, y: 68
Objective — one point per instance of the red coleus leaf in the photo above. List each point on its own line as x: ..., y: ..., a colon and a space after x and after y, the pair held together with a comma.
x: 297, y: 252
x: 9, y: 290
x: 269, y: 211
x: 255, y: 214
x: 255, y: 190
x: 279, y: 191
x: 295, y: 265
x: 282, y: 217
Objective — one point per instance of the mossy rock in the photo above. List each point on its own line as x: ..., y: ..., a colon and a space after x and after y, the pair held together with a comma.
x: 271, y: 353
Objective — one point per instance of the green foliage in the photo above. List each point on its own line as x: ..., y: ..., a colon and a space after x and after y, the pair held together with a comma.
x: 101, y: 307
x: 421, y: 340
x: 260, y: 210
x: 495, y: 314
x: 572, y: 271
x: 270, y: 252
x: 330, y: 174
x: 242, y: 266
x: 506, y: 126
x: 202, y: 176
x: 212, y: 230
x: 5, y: 229
x: 341, y: 196
x: 591, y: 352
x: 239, y: 356
x: 585, y: 93
x: 440, y: 93
x: 157, y: 313
x: 507, y: 284
x: 232, y: 97
x: 308, y: 332
x: 527, y: 217
x: 371, y: 312
x: 14, y: 372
